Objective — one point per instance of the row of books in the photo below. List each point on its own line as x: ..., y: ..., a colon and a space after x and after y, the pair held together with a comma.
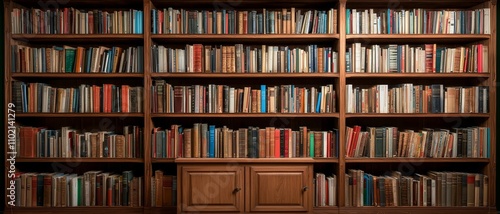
x: 418, y: 21
x: 93, y: 188
x: 244, y: 59
x: 284, y: 21
x: 226, y: 99
x: 70, y: 143
x: 209, y: 141
x: 416, y: 59
x: 43, y: 98
x: 409, y: 98
x: 163, y: 190
x: 472, y: 142
x: 440, y: 189
x: 76, y: 21
x: 67, y: 59
x: 325, y: 190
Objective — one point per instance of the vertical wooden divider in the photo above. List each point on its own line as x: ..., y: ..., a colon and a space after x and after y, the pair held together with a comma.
x: 342, y: 107
x: 147, y: 113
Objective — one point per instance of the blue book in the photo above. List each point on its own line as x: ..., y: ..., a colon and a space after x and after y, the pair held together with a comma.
x: 44, y: 68
x: 263, y: 99
x: 347, y: 21
x: 223, y: 17
x: 25, y: 97
x: 141, y: 23
x: 211, y: 141
x: 153, y: 16
x: 318, y: 104
x: 389, y: 21
x: 488, y: 140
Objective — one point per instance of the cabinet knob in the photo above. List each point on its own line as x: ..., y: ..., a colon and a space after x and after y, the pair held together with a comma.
x: 305, y: 188
x: 237, y: 189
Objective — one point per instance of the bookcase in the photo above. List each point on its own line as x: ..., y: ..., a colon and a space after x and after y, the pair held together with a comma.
x: 170, y: 78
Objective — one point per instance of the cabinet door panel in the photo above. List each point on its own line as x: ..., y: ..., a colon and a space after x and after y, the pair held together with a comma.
x: 212, y: 189
x: 278, y: 188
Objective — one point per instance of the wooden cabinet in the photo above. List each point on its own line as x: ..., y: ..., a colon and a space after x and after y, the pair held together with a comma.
x: 248, y: 188
x: 211, y: 189
x: 278, y: 188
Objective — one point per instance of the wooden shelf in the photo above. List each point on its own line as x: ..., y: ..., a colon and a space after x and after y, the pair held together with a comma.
x: 437, y: 115
x: 249, y: 115
x: 160, y: 210
x: 83, y: 160
x: 419, y: 209
x: 326, y: 210
x: 415, y: 38
x: 78, y: 37
x: 162, y: 160
x: 76, y: 75
x: 417, y: 160
x: 251, y: 160
x: 65, y: 210
x: 246, y: 75
x: 197, y: 38
x: 79, y: 115
x: 418, y: 75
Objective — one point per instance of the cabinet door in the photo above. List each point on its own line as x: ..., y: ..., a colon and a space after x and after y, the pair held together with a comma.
x: 279, y: 188
x: 211, y: 188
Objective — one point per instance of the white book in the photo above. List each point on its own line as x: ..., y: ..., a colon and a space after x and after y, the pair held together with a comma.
x: 487, y: 21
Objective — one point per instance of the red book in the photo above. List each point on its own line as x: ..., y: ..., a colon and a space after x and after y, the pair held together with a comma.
x: 287, y: 138
x: 99, y: 191
x: 277, y: 143
x: 34, y: 187
x: 354, y: 141
x: 328, y: 144
x: 197, y: 57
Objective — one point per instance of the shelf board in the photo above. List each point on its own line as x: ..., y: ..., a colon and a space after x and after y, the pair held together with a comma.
x: 249, y: 115
x: 83, y: 160
x: 160, y: 210
x: 79, y: 115
x: 246, y: 75
x: 326, y: 210
x: 404, y: 115
x: 417, y: 160
x: 78, y: 37
x: 415, y: 38
x: 417, y: 75
x: 258, y: 160
x: 162, y: 160
x: 252, y: 160
x: 77, y: 75
x: 196, y: 38
x: 326, y: 160
x: 64, y: 210
x: 417, y: 209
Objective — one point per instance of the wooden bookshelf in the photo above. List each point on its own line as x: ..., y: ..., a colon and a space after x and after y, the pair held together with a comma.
x: 80, y: 160
x: 415, y: 38
x: 123, y: 115
x: 417, y: 75
x: 248, y: 170
x: 423, y: 115
x: 75, y: 75
x: 245, y: 37
x: 417, y: 160
x: 248, y: 115
x: 245, y: 75
x: 78, y: 37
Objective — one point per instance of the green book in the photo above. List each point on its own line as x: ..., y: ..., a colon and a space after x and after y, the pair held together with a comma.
x: 79, y: 191
x: 69, y: 53
x: 311, y: 144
